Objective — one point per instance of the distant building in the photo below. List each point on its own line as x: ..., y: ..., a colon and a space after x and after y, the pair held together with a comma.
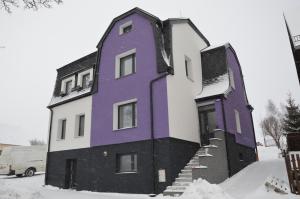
x: 155, y: 106
x: 295, y: 46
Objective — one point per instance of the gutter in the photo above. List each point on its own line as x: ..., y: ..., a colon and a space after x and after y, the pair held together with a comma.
x: 152, y: 126
x: 49, y: 138
x: 226, y: 138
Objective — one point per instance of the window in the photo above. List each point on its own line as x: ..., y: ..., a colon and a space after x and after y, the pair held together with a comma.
x: 62, y: 129
x: 68, y: 87
x: 85, y: 80
x: 127, y: 115
x: 127, y: 65
x: 231, y: 77
x: 241, y: 157
x: 81, y: 125
x: 126, y: 163
x: 237, y: 121
x: 125, y: 28
x: 188, y: 68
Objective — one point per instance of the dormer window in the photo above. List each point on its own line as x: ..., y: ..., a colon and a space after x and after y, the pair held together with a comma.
x: 85, y: 80
x: 125, y: 28
x: 67, y: 85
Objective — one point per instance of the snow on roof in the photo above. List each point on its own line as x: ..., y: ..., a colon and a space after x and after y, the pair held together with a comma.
x: 55, y: 100
x: 215, y: 46
x: 216, y: 86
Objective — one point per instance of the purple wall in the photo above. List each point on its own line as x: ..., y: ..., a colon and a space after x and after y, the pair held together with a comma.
x: 111, y: 90
x: 236, y: 100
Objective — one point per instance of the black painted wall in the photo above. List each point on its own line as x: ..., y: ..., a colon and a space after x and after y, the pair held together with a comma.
x: 97, y: 172
x: 236, y: 152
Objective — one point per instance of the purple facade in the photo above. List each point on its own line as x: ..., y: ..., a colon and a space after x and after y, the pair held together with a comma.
x: 236, y: 100
x: 111, y: 90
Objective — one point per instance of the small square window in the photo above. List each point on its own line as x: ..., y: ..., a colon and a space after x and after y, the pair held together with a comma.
x: 125, y: 28
x: 127, y: 65
x: 127, y: 115
x: 68, y: 87
x: 62, y: 129
x: 81, y: 119
x: 126, y: 163
x: 85, y: 80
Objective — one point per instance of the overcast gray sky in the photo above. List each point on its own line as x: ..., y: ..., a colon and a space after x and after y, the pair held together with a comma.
x: 36, y: 43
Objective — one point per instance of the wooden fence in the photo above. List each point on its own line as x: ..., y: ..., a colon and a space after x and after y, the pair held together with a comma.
x: 292, y: 160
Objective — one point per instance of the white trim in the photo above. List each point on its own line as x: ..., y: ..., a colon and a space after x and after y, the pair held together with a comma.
x: 211, y: 102
x: 115, y: 114
x: 121, y: 28
x: 64, y: 81
x: 237, y: 121
x: 117, y: 61
x: 81, y: 74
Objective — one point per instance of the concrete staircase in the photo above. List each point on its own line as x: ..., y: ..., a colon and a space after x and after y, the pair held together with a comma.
x: 185, y: 177
x: 204, y: 164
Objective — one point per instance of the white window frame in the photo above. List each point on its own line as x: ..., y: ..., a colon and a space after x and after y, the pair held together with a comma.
x: 116, y: 114
x: 117, y: 61
x: 64, y: 81
x: 77, y: 125
x: 237, y: 121
x: 124, y: 25
x: 189, y: 68
x: 81, y: 74
x: 59, y: 128
x: 231, y: 77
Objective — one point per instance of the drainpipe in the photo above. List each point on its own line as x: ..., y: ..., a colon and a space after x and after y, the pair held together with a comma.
x: 49, y: 138
x: 152, y: 126
x: 226, y: 137
x: 254, y: 137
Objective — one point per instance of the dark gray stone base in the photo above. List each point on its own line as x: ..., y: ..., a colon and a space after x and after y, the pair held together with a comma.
x: 97, y: 172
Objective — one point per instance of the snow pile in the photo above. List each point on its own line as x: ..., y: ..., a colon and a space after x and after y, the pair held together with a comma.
x: 71, y: 95
x: 201, y: 189
x: 216, y: 86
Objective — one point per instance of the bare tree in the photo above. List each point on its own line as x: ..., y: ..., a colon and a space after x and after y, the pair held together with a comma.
x: 36, y: 142
x: 272, y: 124
x: 28, y: 4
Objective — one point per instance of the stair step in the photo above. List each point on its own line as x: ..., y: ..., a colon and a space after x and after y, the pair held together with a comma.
x: 185, y: 175
x: 205, y: 155
x: 172, y: 193
x: 186, y: 171
x: 210, y: 146
x: 181, y: 183
x: 216, y: 139
x: 177, y: 188
x: 201, y: 167
x: 182, y: 179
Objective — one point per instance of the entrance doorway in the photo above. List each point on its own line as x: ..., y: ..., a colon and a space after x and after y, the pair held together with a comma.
x: 207, y: 120
x: 70, y: 179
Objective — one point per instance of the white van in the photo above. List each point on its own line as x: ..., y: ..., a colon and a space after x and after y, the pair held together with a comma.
x: 23, y: 160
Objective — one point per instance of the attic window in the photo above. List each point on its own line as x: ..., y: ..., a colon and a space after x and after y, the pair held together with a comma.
x: 125, y: 28
x: 67, y: 85
x: 231, y: 76
x: 188, y: 68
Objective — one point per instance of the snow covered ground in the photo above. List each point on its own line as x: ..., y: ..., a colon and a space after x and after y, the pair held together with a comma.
x: 247, y: 184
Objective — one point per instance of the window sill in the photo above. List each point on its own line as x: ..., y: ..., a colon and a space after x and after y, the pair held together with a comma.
x: 79, y: 136
x: 125, y: 128
x: 60, y: 140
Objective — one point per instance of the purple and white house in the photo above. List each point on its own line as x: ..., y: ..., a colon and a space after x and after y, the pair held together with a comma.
x: 152, y: 109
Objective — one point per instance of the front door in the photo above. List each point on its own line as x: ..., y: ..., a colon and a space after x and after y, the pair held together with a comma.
x: 207, y: 120
x: 70, y: 180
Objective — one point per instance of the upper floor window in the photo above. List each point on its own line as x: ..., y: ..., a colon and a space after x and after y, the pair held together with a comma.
x: 237, y: 121
x: 80, y: 120
x: 125, y: 114
x: 188, y: 67
x: 125, y: 28
x: 62, y: 124
x: 85, y: 78
x: 67, y: 85
x: 231, y: 77
x: 125, y: 63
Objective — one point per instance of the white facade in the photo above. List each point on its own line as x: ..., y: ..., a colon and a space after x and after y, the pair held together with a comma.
x: 183, y: 114
x: 70, y: 112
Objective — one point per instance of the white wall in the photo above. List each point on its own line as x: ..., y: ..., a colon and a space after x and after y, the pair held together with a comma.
x: 183, y: 114
x: 69, y: 111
